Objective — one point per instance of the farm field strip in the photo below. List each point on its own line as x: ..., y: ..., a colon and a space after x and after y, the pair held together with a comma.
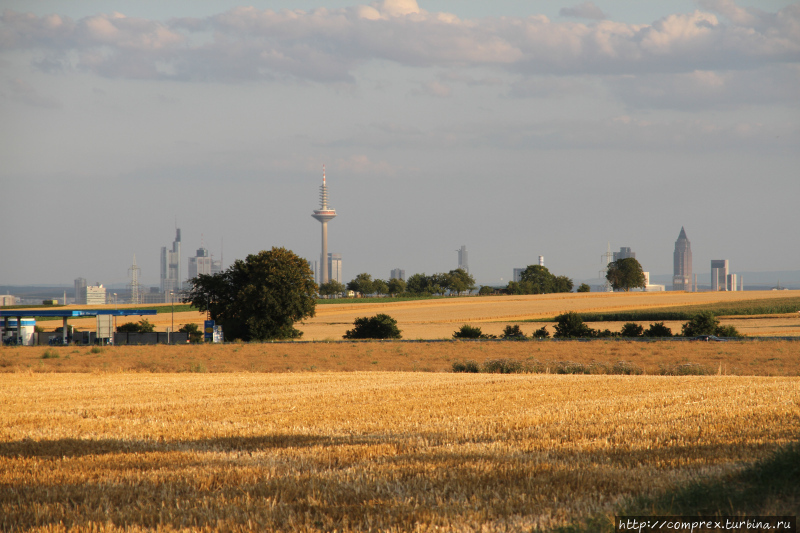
x: 358, y: 451
x: 437, y: 318
x: 754, y: 358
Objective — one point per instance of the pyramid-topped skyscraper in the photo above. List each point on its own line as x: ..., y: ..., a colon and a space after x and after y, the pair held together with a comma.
x: 682, y: 264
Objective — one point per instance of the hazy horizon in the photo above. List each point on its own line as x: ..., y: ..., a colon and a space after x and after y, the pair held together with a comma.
x: 517, y: 129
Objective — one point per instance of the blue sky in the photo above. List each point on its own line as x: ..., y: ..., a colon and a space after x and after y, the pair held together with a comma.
x: 516, y: 128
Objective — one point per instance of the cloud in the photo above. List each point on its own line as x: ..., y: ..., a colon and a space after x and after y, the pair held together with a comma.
x: 329, y: 45
x: 21, y: 91
x: 586, y: 10
x: 361, y: 164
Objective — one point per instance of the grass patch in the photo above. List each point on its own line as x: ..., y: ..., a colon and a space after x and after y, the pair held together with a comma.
x: 770, y: 487
x: 532, y: 366
x: 50, y: 354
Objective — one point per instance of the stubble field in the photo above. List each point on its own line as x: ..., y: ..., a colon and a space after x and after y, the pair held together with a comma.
x: 381, y: 436
x: 370, y: 451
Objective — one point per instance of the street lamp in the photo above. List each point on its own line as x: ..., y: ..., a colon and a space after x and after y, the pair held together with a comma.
x: 172, y: 299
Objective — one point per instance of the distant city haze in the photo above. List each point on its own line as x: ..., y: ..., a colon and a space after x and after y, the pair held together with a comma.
x: 515, y: 129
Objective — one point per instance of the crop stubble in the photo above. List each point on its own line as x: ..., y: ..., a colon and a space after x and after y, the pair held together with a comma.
x: 358, y: 451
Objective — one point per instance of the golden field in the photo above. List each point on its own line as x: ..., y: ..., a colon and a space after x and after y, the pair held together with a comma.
x: 743, y: 358
x: 378, y: 451
x: 438, y: 318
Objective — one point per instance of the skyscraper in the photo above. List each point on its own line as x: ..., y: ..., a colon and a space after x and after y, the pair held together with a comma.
x: 397, y: 273
x: 624, y: 253
x: 203, y: 263
x: 682, y: 264
x: 324, y: 214
x: 719, y: 274
x: 463, y: 262
x: 335, y: 267
x: 80, y: 291
x: 171, y: 265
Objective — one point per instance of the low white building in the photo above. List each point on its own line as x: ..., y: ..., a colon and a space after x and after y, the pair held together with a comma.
x: 95, y: 295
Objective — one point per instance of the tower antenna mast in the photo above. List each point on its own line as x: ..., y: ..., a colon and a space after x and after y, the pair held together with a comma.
x: 324, y: 215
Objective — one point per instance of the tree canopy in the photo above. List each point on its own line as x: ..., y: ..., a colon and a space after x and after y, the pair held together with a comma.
x: 380, y: 326
x: 362, y: 283
x: 625, y: 274
x: 331, y: 288
x: 259, y: 298
x: 537, y: 279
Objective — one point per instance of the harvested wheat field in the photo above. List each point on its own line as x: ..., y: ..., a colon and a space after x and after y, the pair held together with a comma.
x: 743, y: 358
x: 370, y: 451
x: 438, y: 318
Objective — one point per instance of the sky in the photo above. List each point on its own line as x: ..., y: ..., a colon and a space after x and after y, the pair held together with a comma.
x: 517, y: 128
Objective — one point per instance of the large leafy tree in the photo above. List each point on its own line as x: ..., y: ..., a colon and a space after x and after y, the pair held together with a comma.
x: 625, y: 274
x: 459, y: 281
x: 380, y: 326
x: 396, y: 286
x: 540, y: 279
x: 259, y: 298
x: 418, y: 284
x: 331, y: 288
x: 362, y: 283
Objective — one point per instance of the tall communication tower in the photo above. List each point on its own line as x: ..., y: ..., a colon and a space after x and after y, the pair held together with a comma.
x: 324, y: 214
x: 134, y: 284
x: 605, y: 259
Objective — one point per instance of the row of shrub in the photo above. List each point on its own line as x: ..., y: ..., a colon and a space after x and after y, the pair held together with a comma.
x: 532, y: 366
x: 571, y: 325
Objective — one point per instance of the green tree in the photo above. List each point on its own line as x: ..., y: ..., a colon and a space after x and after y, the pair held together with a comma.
x: 195, y: 335
x: 439, y: 283
x: 513, y: 332
x: 704, y: 323
x: 658, y: 330
x: 570, y: 325
x: 143, y: 326
x: 728, y: 331
x: 459, y: 281
x: 259, y: 298
x: 470, y: 332
x: 562, y: 284
x: 485, y: 290
x: 631, y: 329
x: 396, y: 286
x: 541, y: 280
x: 380, y: 287
x: 331, y: 288
x: 625, y: 274
x: 418, y: 284
x: 584, y: 288
x: 541, y: 333
x: 362, y: 283
x: 380, y: 326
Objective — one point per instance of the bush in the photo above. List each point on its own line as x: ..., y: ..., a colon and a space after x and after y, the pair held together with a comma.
x: 584, y: 288
x: 626, y: 368
x: 50, y: 354
x: 470, y: 332
x: 704, y: 323
x: 470, y: 367
x: 687, y: 369
x: 631, y: 329
x: 486, y: 290
x: 570, y: 325
x: 502, y: 366
x: 380, y: 326
x: 658, y: 330
x: 193, y: 330
x: 513, y: 332
x: 541, y: 333
x: 143, y: 326
x: 728, y: 331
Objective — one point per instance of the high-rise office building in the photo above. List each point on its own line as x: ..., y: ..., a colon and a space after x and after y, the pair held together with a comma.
x: 80, y: 291
x: 624, y: 253
x: 203, y: 263
x: 397, y: 273
x: 682, y: 264
x: 719, y: 274
x: 463, y: 261
x: 171, y: 266
x: 324, y: 214
x: 335, y: 267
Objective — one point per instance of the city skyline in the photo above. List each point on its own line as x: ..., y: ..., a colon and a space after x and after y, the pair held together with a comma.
x: 521, y: 129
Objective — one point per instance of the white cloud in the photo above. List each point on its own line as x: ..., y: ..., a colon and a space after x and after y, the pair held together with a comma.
x: 586, y: 10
